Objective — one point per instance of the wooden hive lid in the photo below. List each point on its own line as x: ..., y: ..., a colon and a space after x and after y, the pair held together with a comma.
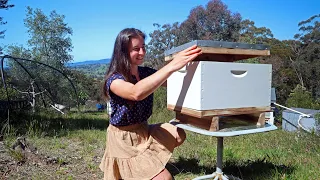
x: 221, y: 51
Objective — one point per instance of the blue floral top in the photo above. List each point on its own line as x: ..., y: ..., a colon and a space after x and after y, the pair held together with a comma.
x: 126, y: 112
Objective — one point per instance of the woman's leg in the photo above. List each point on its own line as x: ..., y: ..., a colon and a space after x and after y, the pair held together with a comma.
x: 168, y: 135
x: 163, y: 175
x: 181, y: 136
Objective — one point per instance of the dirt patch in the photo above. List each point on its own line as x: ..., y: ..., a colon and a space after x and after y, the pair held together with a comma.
x: 72, y: 161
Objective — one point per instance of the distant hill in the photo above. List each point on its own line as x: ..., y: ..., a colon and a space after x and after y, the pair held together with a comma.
x: 92, y: 68
x: 88, y: 62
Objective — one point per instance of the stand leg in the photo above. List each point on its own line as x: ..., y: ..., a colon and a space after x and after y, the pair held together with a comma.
x: 219, y: 154
x: 218, y: 175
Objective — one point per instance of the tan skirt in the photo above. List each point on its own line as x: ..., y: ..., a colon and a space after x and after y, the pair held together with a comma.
x: 138, y: 152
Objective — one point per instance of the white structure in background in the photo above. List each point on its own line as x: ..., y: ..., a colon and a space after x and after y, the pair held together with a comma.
x: 108, y: 107
x: 294, y: 118
x: 59, y: 107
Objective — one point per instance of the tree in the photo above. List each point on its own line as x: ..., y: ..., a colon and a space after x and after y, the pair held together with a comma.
x: 296, y: 61
x: 32, y: 95
x: 49, y: 43
x: 88, y: 87
x: 3, y: 5
x: 284, y: 74
x: 249, y: 33
x: 50, y: 37
x: 212, y: 22
x: 302, y: 98
x: 18, y: 75
x: 12, y: 93
x: 163, y: 38
x: 307, y: 54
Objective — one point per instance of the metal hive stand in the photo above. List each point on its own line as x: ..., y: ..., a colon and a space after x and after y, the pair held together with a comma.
x: 218, y: 175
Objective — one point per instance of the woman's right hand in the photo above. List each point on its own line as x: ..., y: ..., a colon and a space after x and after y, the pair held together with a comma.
x: 183, y: 57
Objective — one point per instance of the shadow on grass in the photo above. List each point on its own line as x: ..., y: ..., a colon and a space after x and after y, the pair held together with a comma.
x: 183, y: 165
x: 248, y: 170
x: 52, y: 124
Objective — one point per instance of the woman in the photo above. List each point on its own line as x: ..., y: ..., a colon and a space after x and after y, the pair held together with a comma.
x: 136, y: 150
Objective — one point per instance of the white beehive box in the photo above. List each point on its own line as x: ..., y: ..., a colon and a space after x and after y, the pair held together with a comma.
x: 208, y: 85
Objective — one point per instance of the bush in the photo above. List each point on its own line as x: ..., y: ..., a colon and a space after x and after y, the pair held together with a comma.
x: 302, y: 98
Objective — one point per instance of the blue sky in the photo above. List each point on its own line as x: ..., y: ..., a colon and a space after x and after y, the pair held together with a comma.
x: 96, y: 24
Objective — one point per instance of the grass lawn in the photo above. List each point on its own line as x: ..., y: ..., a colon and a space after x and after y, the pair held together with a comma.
x: 71, y: 147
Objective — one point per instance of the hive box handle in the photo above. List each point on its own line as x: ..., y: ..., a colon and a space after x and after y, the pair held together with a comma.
x: 239, y: 73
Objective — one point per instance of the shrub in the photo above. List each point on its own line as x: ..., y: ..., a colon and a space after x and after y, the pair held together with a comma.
x: 302, y: 98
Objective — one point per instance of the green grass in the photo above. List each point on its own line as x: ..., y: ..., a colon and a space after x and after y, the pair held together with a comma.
x: 273, y: 155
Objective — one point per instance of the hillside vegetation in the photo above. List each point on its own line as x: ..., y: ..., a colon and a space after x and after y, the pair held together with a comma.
x: 96, y: 71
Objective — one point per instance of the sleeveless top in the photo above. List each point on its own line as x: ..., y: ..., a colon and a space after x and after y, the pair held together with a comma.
x: 126, y: 112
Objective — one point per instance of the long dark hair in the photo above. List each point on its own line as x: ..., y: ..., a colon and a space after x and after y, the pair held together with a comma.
x: 120, y: 60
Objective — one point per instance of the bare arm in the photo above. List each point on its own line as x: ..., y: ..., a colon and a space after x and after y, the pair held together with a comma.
x: 148, y: 85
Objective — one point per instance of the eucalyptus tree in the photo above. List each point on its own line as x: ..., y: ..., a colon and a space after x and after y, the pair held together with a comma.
x: 212, y: 22
x: 249, y: 33
x: 163, y: 38
x: 307, y: 53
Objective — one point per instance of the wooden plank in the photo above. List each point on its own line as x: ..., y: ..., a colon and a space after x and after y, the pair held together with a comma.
x: 213, y: 50
x: 207, y: 123
x: 218, y: 112
x: 223, y: 57
x: 225, y: 54
x: 218, y: 123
